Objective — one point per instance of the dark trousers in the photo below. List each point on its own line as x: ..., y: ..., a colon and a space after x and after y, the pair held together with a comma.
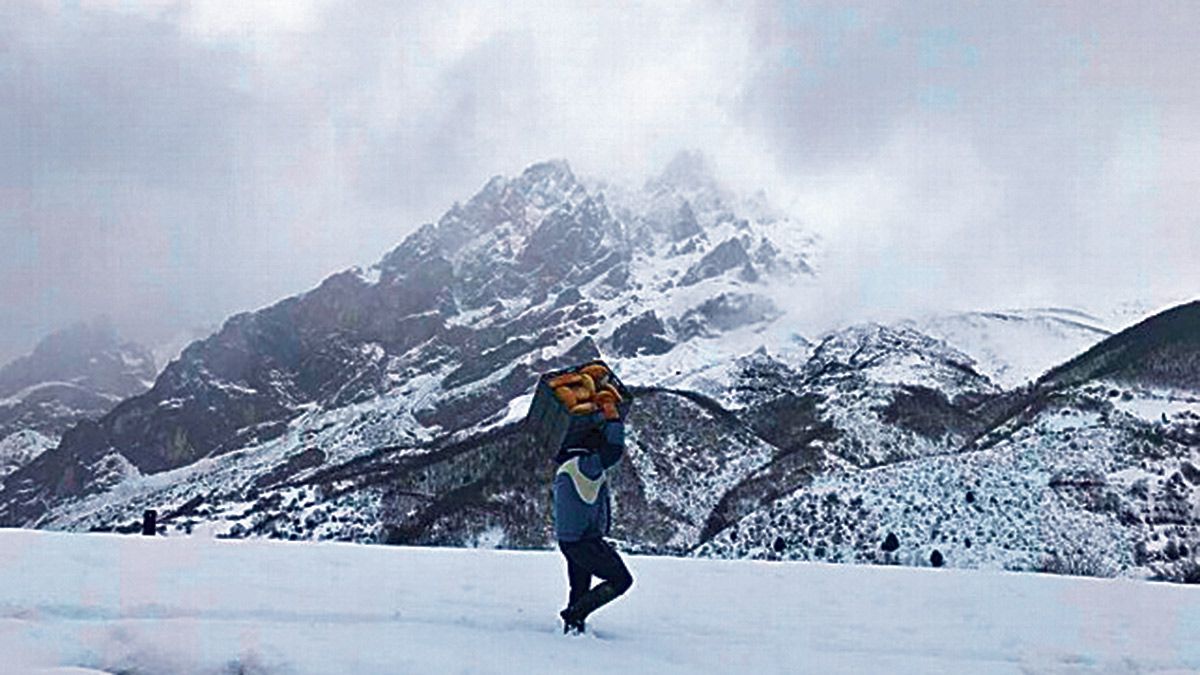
x: 589, y: 558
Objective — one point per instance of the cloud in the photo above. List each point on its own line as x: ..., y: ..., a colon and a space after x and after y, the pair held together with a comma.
x: 170, y: 163
x: 981, y: 156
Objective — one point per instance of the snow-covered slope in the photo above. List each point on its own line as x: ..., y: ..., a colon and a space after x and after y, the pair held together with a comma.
x: 1013, y: 347
x: 1079, y: 486
x: 893, y: 393
x: 19, y: 448
x: 684, y: 454
x: 1091, y: 471
x: 78, y: 373
x: 113, y: 604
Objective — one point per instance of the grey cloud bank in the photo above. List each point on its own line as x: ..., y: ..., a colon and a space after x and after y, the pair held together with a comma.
x: 171, y: 164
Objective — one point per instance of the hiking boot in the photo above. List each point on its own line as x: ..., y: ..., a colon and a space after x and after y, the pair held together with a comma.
x: 572, y: 625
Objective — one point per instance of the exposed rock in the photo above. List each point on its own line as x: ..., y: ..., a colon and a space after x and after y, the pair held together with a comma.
x: 80, y: 372
x: 725, y: 312
x: 728, y: 255
x: 684, y: 225
x: 644, y: 334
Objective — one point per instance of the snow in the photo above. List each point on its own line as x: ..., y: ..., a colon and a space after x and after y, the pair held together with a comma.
x: 1014, y: 346
x: 131, y: 361
x: 1071, y: 485
x: 1153, y: 405
x: 231, y: 388
x: 173, y: 403
x: 22, y: 447
x: 709, y: 365
x: 19, y: 397
x: 77, y: 603
x: 517, y: 410
x: 369, y: 275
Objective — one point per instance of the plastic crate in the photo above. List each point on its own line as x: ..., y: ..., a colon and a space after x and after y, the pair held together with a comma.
x: 552, y: 425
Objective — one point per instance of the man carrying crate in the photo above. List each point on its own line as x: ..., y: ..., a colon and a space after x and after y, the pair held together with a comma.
x: 582, y: 513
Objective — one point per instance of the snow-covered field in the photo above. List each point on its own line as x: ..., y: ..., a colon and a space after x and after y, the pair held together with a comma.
x: 73, y: 603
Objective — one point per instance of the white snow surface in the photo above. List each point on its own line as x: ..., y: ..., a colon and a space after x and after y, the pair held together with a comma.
x: 19, y: 397
x: 1154, y: 405
x: 1017, y: 345
x: 75, y: 603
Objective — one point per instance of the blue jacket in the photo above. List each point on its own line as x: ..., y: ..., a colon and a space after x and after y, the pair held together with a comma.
x: 581, y: 501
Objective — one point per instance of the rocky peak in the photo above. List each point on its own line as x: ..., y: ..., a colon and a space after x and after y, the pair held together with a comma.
x: 530, y: 273
x: 708, y: 230
x: 74, y: 375
x: 496, y: 224
x: 687, y: 171
x: 728, y: 255
x: 89, y: 354
x: 645, y: 334
x: 684, y: 225
x: 547, y: 184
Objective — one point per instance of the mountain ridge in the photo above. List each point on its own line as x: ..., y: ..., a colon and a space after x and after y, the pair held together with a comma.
x: 471, y: 307
x: 77, y: 373
x: 384, y: 404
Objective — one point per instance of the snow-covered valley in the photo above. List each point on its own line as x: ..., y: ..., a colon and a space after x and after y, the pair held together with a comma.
x: 73, y: 603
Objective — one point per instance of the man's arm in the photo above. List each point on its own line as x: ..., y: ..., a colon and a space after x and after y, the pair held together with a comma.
x: 614, y: 443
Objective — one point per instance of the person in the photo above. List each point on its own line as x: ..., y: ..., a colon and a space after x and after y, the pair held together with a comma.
x: 582, y: 517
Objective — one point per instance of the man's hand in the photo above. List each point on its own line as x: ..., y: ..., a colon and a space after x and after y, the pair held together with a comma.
x: 607, y: 401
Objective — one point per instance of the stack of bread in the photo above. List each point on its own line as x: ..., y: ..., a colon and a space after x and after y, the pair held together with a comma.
x: 587, y: 390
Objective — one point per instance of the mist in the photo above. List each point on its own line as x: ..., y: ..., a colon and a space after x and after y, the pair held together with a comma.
x: 169, y: 164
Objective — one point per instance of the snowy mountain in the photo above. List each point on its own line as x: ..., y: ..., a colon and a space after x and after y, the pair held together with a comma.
x: 1014, y: 347
x: 189, y: 605
x: 434, y: 343
x: 385, y: 405
x: 894, y: 393
x: 1091, y: 471
x: 695, y: 469
x: 75, y: 374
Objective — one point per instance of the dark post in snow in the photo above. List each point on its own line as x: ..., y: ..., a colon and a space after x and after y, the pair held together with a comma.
x: 149, y: 522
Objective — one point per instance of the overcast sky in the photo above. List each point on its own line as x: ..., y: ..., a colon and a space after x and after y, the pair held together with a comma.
x: 170, y: 164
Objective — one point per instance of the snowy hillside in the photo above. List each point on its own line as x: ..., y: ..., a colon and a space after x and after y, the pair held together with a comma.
x: 893, y: 393
x: 21, y: 447
x: 112, y: 604
x: 1093, y: 471
x: 1016, y: 346
x: 1081, y: 486
x: 79, y: 372
x: 681, y: 460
